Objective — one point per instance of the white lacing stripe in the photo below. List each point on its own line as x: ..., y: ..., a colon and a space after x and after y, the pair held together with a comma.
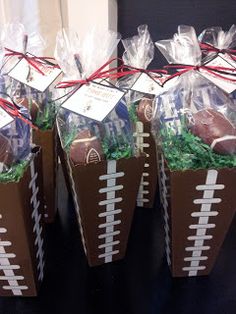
x: 108, y: 254
x: 222, y: 139
x: 111, y: 188
x: 36, y: 216
x: 109, y: 234
x: 110, y: 212
x: 111, y: 176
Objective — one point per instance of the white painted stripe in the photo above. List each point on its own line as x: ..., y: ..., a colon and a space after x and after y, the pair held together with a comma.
x: 3, y: 267
x: 107, y: 224
x: 211, y: 176
x: 198, y: 242
x: 197, y: 253
x: 110, y: 201
x: 108, y: 254
x: 193, y: 258
x: 37, y: 222
x: 35, y: 209
x: 145, y: 192
x: 105, y: 235
x: 11, y: 278
x: 204, y: 237
x: 197, y: 248
x: 36, y: 216
x: 204, y: 214
x: 110, y: 212
x: 34, y: 195
x: 7, y: 255
x: 164, y: 191
x: 15, y: 287
x: 194, y: 268
x: 204, y: 187
x: 39, y: 231
x: 206, y: 207
x: 33, y: 180
x: 201, y: 232
x: 5, y: 243
x: 111, y: 189
x: 144, y: 200
x: 207, y: 201
x: 144, y: 145
x: 111, y: 176
x: 203, y: 220
x: 3, y: 230
x: 208, y: 194
x: 41, y: 266
x: 204, y: 226
x: 108, y: 244
x: 38, y: 238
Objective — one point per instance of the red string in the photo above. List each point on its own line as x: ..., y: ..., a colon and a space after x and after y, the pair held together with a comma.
x: 11, y: 108
x: 112, y: 73
x: 215, y: 70
x: 32, y: 60
x: 210, y: 48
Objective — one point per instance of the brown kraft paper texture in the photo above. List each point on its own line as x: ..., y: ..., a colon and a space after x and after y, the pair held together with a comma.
x: 21, y: 233
x: 145, y: 143
x: 105, y: 195
x: 47, y: 140
x: 199, y: 206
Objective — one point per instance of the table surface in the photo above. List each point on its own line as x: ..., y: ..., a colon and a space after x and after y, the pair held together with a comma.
x: 139, y: 284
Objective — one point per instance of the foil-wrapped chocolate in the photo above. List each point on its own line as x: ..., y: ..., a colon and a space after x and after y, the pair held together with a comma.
x: 86, y: 149
x: 215, y: 130
x: 144, y: 110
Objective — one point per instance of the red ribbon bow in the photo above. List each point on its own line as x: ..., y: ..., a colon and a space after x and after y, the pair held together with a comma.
x: 112, y: 73
x: 209, y: 48
x: 215, y: 70
x: 34, y: 61
x: 12, y: 109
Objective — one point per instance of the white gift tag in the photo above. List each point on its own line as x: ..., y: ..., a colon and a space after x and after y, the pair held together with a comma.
x: 5, y: 118
x: 228, y: 59
x: 145, y: 84
x: 220, y: 61
x: 27, y: 74
x: 93, y: 101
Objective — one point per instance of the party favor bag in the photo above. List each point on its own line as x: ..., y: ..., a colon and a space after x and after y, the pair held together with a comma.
x: 96, y: 135
x: 32, y: 84
x: 139, y: 52
x: 195, y: 123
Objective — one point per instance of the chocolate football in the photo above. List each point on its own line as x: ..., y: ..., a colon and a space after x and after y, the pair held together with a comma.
x: 86, y: 149
x: 144, y: 110
x: 215, y: 130
x: 6, y: 153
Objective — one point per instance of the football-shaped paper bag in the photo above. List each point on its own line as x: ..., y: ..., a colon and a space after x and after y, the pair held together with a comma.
x: 86, y: 149
x: 144, y: 110
x: 215, y: 130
